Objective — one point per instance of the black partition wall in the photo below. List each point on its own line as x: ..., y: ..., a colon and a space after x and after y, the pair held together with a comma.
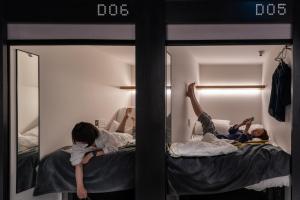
x: 151, y: 19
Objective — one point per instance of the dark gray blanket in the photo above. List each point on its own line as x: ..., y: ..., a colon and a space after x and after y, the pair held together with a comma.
x: 108, y: 173
x: 217, y: 174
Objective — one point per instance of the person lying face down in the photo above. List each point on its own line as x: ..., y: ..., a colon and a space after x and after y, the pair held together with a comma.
x: 89, y: 142
x: 234, y: 132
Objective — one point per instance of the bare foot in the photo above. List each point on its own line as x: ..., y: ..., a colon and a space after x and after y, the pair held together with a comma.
x: 128, y: 112
x: 190, y: 89
x: 250, y: 120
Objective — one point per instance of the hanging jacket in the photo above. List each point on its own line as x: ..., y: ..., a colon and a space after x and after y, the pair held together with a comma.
x: 281, y: 91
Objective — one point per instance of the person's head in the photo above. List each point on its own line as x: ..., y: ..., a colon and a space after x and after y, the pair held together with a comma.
x: 85, y: 132
x: 260, y: 133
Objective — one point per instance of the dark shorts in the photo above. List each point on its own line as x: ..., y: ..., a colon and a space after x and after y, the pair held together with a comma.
x: 207, y: 124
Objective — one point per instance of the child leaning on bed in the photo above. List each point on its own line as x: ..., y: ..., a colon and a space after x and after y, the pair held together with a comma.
x: 89, y: 142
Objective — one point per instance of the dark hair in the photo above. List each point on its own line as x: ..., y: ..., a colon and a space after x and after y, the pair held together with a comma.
x: 85, y: 132
x: 264, y: 136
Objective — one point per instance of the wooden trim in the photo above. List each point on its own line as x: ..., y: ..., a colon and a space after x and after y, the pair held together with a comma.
x: 128, y: 87
x: 132, y: 87
x: 230, y: 86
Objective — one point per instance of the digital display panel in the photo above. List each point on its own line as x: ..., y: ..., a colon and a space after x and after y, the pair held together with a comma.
x: 113, y: 10
x: 177, y: 11
x: 100, y: 11
x: 229, y: 11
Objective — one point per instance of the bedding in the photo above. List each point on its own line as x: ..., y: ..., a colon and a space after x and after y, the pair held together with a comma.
x: 32, y: 132
x: 28, y: 140
x: 209, y: 145
x: 217, y: 174
x: 108, y: 173
x: 123, y: 139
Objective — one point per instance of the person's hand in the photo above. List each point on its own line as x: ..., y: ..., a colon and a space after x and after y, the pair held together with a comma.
x: 87, y: 158
x: 81, y: 193
x: 248, y: 123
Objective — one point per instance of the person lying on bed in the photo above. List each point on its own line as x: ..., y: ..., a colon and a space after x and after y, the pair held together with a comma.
x: 234, y: 132
x: 89, y: 142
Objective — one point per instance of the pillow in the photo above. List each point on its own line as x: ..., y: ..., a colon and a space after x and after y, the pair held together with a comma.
x: 222, y: 126
x: 114, y: 126
x: 28, y: 141
x: 252, y: 127
x: 32, y: 132
x: 198, y: 130
x: 130, y: 123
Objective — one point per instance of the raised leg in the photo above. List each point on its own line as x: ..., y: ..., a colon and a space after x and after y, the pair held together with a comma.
x: 196, y: 105
x: 206, y: 121
x: 122, y: 125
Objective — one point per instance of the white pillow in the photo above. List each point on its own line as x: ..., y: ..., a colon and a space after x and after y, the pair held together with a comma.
x: 130, y: 123
x: 252, y: 127
x: 114, y: 126
x: 198, y: 130
x: 222, y: 126
x: 32, y: 132
x: 28, y: 141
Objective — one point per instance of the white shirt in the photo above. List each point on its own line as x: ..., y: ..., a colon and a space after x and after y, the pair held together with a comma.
x: 105, y: 142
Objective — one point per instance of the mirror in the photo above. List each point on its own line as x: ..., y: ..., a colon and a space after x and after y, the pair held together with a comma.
x: 27, y: 119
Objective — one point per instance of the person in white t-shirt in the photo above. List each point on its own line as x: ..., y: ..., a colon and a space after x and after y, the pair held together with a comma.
x: 88, y: 142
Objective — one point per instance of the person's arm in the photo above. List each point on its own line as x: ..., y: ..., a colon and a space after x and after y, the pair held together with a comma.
x: 248, y: 125
x: 244, y: 122
x: 90, y: 155
x: 81, y: 191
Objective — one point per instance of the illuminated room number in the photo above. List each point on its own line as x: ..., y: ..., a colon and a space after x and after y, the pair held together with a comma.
x: 271, y: 9
x: 113, y: 10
